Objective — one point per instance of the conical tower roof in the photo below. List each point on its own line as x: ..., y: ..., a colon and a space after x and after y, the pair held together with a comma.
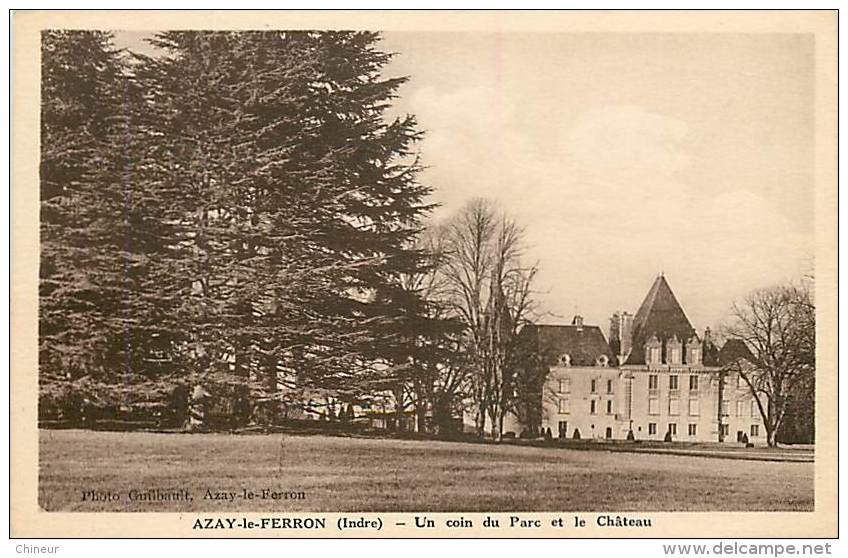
x: 660, y: 315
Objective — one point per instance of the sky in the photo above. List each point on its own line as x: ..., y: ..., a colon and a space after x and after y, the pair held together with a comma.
x: 623, y: 155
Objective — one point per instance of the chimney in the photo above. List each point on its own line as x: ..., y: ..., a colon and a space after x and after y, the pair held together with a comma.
x: 621, y: 326
x: 578, y: 321
x: 707, y: 337
x: 626, y: 332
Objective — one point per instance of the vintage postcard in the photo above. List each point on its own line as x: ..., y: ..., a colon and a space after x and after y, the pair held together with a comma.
x: 424, y: 274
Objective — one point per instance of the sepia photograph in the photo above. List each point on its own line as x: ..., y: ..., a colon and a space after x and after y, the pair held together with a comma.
x: 308, y: 270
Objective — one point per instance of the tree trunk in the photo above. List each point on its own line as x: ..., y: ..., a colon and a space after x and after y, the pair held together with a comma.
x: 720, y: 410
x: 398, y: 407
x: 421, y: 416
x: 480, y: 422
x: 496, y: 416
x: 421, y: 400
x: 771, y: 437
x: 271, y: 386
x: 500, y: 426
x: 773, y: 424
x: 442, y: 415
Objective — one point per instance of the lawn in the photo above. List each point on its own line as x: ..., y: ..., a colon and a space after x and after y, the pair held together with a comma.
x: 322, y: 473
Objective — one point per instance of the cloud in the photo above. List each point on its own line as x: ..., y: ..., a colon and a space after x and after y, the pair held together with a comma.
x: 476, y: 144
x: 608, y: 200
x: 618, y: 141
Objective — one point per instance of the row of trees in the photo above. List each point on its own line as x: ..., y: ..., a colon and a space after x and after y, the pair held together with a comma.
x: 239, y: 212
x: 237, y: 209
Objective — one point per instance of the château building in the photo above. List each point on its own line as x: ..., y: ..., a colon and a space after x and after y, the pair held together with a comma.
x: 656, y: 378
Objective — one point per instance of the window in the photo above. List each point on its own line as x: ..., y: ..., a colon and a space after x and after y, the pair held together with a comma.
x: 755, y: 430
x: 602, y: 360
x: 725, y: 429
x: 674, y: 355
x: 609, y: 407
x: 672, y: 382
x: 652, y: 381
x: 740, y: 382
x: 563, y: 429
x: 672, y: 429
x: 609, y: 386
x: 594, y: 386
x: 693, y: 382
x: 654, y: 355
x: 674, y: 406
x: 694, y: 355
x: 592, y: 406
x: 755, y: 411
x: 565, y: 360
x: 724, y: 407
x: 694, y: 408
x: 565, y: 385
x: 653, y: 406
x: 563, y: 406
x: 652, y: 429
x: 693, y: 429
x: 740, y: 408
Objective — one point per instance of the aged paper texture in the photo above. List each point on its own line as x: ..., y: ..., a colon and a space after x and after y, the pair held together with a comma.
x: 424, y: 274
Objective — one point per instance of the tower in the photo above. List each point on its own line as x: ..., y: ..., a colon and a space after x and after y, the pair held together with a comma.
x: 660, y: 318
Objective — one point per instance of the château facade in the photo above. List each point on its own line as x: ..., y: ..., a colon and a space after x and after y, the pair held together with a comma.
x: 655, y: 379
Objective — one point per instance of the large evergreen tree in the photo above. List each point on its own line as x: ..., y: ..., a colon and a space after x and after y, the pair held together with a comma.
x: 97, y: 326
x: 292, y: 199
x: 237, y: 211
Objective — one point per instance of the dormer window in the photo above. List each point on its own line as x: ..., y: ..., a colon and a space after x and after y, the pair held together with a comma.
x: 693, y: 351
x: 654, y: 355
x: 565, y: 360
x: 602, y: 360
x: 695, y: 355
x: 674, y: 351
x: 674, y: 355
x: 653, y: 351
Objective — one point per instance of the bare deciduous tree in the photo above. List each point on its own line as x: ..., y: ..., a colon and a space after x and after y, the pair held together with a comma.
x: 438, y: 377
x: 489, y: 288
x: 777, y: 327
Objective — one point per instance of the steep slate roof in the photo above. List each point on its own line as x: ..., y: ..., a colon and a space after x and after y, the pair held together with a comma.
x: 660, y: 315
x: 733, y: 350
x: 584, y: 344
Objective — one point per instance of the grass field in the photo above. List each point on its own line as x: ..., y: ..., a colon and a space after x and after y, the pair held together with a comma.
x: 356, y: 474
